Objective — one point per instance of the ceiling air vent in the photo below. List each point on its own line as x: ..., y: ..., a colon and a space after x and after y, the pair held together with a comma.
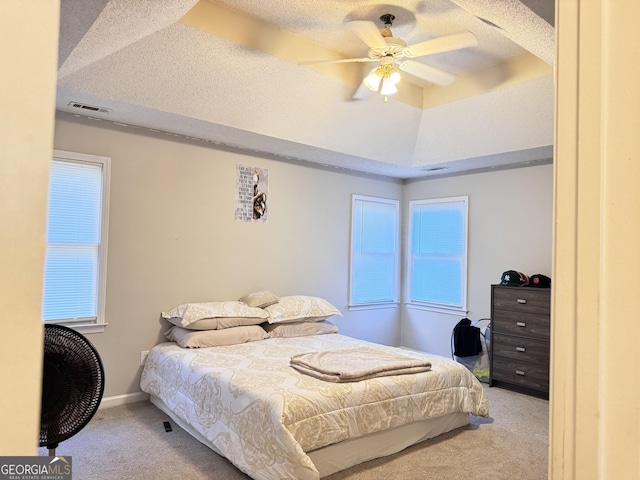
x: 91, y: 108
x: 434, y: 169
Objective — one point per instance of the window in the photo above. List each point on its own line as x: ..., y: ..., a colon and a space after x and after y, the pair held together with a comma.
x: 75, y: 268
x: 438, y: 254
x: 374, y: 251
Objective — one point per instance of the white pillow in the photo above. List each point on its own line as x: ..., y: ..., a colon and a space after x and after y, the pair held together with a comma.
x: 188, y: 313
x: 299, y: 329
x: 300, y: 308
x: 218, y: 323
x: 260, y: 299
x: 215, y: 338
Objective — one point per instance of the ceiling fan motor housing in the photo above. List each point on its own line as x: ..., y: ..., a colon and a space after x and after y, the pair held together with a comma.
x: 394, y: 48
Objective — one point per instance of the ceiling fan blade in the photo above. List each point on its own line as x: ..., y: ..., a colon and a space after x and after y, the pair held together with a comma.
x: 342, y: 60
x: 368, y: 33
x: 425, y: 72
x: 441, y: 44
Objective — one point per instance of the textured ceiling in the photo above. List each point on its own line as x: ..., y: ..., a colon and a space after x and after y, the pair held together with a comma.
x: 232, y: 72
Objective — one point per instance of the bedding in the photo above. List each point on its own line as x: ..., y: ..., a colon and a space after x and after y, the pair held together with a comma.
x: 298, y: 308
x: 231, y: 312
x: 218, y: 323
x: 356, y: 364
x: 299, y: 329
x: 248, y: 404
x: 260, y: 299
x: 215, y: 338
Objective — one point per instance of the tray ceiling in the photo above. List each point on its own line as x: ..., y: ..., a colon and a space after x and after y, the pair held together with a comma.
x: 231, y: 72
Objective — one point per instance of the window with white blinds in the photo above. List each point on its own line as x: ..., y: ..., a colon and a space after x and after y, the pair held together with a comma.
x: 438, y: 253
x: 374, y: 251
x: 75, y: 268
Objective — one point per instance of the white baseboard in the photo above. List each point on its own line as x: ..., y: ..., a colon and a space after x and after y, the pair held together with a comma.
x: 117, y: 400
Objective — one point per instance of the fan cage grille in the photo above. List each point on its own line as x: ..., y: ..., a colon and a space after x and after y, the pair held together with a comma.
x: 72, y: 384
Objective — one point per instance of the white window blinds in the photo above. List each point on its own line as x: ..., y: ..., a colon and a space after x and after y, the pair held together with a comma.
x: 439, y: 252
x: 374, y: 251
x: 74, y: 257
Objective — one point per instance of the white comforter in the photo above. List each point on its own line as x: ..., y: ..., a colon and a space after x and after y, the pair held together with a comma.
x: 263, y: 415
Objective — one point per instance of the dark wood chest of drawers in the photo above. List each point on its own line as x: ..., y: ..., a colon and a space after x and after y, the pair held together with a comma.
x: 520, y: 328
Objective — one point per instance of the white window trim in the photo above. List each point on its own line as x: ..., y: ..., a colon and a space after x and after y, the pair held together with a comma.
x: 396, y: 289
x: 98, y: 324
x: 435, y: 307
x: 372, y: 306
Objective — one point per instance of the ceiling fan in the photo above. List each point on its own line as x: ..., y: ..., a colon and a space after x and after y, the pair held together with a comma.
x: 393, y: 53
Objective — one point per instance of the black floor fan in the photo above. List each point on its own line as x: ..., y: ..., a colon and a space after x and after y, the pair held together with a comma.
x: 72, y: 385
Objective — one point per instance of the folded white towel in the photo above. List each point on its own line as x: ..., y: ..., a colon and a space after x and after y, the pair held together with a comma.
x: 353, y: 365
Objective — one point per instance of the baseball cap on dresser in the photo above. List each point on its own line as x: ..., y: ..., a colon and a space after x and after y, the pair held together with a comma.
x: 513, y: 278
x: 540, y: 281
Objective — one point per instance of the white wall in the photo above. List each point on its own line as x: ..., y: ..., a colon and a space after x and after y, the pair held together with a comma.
x: 173, y: 237
x: 510, y: 228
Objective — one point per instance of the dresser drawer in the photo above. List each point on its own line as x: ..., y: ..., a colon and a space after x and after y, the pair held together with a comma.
x: 521, y: 373
x: 521, y: 349
x: 522, y: 299
x: 521, y: 323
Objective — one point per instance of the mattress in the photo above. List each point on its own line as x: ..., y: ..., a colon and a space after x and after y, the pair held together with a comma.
x: 249, y: 405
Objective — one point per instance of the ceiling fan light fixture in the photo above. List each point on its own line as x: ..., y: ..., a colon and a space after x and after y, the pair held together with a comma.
x: 394, y: 76
x: 383, y: 78
x: 394, y: 55
x: 388, y: 87
x: 372, y: 81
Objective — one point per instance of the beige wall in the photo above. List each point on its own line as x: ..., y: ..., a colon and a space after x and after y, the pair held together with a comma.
x: 510, y: 228
x: 28, y: 59
x: 173, y: 238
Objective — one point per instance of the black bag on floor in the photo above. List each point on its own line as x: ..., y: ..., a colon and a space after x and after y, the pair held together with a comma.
x: 466, y: 339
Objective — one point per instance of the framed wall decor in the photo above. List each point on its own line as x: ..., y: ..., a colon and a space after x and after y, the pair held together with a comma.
x: 252, y: 189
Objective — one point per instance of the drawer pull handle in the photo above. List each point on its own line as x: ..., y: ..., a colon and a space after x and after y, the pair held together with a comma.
x: 521, y: 300
x: 521, y: 349
x: 520, y: 372
x: 521, y: 324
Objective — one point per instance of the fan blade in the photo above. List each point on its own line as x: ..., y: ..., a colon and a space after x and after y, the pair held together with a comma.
x: 441, y: 44
x: 342, y: 60
x: 368, y: 33
x: 425, y: 72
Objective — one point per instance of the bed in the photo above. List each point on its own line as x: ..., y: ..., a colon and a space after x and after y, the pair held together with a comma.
x: 247, y: 403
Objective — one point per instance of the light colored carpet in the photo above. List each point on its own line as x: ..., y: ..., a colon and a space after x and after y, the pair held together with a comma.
x: 129, y: 442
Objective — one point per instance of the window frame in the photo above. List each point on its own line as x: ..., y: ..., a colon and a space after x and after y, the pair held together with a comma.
x: 355, y: 199
x: 434, y: 306
x: 98, y: 323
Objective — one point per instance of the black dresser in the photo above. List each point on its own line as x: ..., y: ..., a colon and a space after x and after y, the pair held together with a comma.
x: 520, y: 329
